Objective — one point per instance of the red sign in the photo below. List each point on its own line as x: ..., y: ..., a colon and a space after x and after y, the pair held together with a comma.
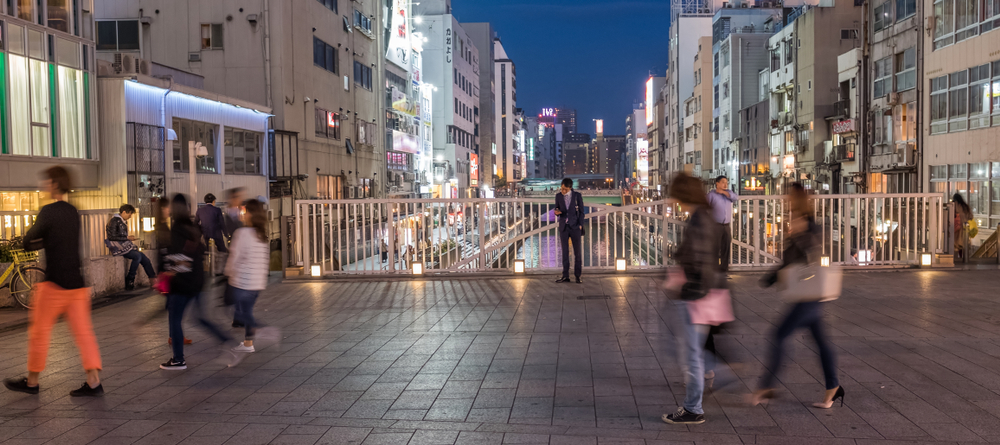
x: 843, y: 126
x: 473, y: 167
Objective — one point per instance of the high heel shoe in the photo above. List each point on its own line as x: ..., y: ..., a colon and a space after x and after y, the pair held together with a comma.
x: 760, y: 396
x: 838, y: 394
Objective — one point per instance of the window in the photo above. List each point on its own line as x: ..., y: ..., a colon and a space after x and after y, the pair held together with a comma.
x: 847, y: 34
x: 958, y: 100
x: 991, y: 17
x: 30, y: 119
x: 25, y: 9
x: 327, y: 124
x: 118, y: 35
x: 979, y: 96
x: 904, y: 127
x: 58, y: 12
x: 324, y: 56
x: 883, y: 77
x: 363, y: 75
x: 905, y: 8
x: 725, y: 90
x: 211, y: 36
x: 197, y: 132
x: 73, y: 100
x: 725, y: 56
x: 957, y: 20
x: 330, y: 4
x: 362, y: 21
x: 788, y: 52
x: 939, y: 105
x: 906, y: 69
x: 242, y: 152
x: 882, y: 16
x: 776, y: 58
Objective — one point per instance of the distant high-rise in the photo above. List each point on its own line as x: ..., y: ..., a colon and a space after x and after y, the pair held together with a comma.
x: 567, y: 118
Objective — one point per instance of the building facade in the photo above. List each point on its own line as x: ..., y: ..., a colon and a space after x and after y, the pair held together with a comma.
x: 482, y: 35
x: 507, y: 125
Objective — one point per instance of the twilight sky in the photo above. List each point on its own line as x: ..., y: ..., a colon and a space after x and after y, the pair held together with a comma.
x: 592, y: 55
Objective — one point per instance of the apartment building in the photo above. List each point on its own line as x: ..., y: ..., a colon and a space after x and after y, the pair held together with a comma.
x: 482, y: 35
x: 506, y: 124
x: 697, y: 152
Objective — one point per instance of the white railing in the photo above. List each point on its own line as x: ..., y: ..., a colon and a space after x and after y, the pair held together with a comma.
x: 480, y: 235
x: 92, y: 227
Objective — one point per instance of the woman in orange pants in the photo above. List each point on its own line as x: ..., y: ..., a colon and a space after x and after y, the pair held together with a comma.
x: 57, y: 230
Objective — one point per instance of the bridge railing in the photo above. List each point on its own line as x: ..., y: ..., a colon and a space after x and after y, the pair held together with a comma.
x: 334, y: 237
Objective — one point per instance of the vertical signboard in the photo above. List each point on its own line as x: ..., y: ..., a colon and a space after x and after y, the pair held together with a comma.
x: 649, y: 102
x: 642, y: 160
x: 473, y: 169
x: 398, y: 49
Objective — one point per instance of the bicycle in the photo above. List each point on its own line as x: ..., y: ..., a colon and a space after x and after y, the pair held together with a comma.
x: 23, y: 275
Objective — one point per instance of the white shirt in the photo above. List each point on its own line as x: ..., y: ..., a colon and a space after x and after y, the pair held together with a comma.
x: 249, y: 260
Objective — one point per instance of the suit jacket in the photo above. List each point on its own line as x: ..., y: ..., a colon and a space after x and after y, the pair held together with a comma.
x: 572, y: 216
x: 209, y: 219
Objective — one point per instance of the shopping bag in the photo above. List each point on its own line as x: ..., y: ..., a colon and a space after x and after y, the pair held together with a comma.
x: 715, y: 308
x: 799, y: 283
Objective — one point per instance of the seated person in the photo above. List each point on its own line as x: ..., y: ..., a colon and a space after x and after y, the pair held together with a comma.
x: 119, y: 242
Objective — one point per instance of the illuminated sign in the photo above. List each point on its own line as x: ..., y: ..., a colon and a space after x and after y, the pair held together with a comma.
x: 548, y: 112
x: 843, y: 126
x: 531, y: 149
x: 642, y: 161
x: 332, y: 120
x: 541, y: 131
x: 789, y: 163
x: 649, y: 102
x: 473, y: 167
x: 600, y: 126
x: 405, y: 142
x: 398, y: 49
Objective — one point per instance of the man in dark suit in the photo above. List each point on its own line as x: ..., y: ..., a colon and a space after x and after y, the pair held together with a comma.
x: 569, y: 209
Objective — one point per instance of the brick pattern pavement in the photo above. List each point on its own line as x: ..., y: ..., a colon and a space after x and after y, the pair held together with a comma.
x: 524, y: 360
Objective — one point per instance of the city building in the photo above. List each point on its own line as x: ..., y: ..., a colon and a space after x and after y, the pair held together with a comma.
x: 576, y: 154
x: 698, y: 154
x: 507, y: 125
x: 804, y: 78
x: 567, y: 118
x: 483, y: 35
x: 320, y: 81
x: 961, y: 61
x: 635, y: 131
x: 894, y: 42
x: 843, y: 159
x: 408, y: 141
x: 739, y: 53
x: 656, y: 118
x: 451, y: 64
x: 532, y: 147
x: 49, y: 115
x: 616, y: 158
x: 754, y: 163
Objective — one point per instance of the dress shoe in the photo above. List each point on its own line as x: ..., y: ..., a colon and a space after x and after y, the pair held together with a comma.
x: 563, y: 280
x: 578, y: 280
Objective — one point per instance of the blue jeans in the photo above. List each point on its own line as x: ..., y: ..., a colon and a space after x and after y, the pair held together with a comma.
x: 692, y: 351
x: 803, y: 315
x: 176, y: 304
x: 136, y: 257
x: 244, y: 301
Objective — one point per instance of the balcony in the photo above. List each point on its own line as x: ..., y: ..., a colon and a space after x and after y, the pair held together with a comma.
x: 841, y: 109
x: 843, y: 153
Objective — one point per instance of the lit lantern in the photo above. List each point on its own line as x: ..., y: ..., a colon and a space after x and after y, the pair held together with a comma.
x: 418, y: 268
x: 824, y: 261
x: 519, y: 266
x: 316, y: 270
x: 925, y: 260
x: 620, y: 264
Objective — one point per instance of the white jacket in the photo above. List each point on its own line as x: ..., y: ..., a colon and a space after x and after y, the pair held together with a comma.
x: 249, y: 260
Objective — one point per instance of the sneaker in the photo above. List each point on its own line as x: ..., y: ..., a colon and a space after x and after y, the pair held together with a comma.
x: 20, y: 385
x: 683, y: 417
x: 172, y: 365
x: 87, y: 391
x: 243, y: 348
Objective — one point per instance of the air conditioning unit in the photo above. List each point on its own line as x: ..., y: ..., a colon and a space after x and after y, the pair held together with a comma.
x: 194, y: 57
x: 143, y: 67
x: 893, y: 98
x: 907, y: 157
x: 128, y: 64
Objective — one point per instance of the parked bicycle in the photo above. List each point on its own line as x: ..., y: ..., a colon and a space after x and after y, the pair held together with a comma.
x: 23, y: 273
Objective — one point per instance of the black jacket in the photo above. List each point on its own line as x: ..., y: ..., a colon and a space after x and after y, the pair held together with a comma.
x: 116, y: 230
x: 698, y: 255
x: 573, y: 215
x: 186, y: 257
x: 797, y: 248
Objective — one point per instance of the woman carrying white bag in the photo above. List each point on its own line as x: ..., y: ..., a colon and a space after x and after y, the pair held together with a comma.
x: 806, y: 284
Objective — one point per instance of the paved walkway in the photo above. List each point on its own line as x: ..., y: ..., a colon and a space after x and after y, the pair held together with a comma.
x: 529, y: 361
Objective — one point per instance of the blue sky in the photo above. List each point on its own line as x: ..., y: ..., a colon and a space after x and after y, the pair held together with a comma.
x: 591, y: 55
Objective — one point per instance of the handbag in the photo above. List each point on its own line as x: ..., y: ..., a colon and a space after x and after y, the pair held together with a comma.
x: 799, y: 283
x: 675, y: 280
x: 163, y: 282
x: 715, y: 308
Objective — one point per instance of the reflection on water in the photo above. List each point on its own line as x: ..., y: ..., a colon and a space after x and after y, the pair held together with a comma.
x: 599, y: 249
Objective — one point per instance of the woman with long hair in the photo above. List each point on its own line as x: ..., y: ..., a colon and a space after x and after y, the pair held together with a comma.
x: 698, y: 256
x: 185, y: 264
x: 161, y: 231
x: 800, y: 247
x: 247, y: 268
x: 963, y: 214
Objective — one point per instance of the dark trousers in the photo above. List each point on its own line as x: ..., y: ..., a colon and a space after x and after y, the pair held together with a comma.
x: 245, y: 300
x: 136, y: 257
x: 567, y: 233
x: 726, y: 246
x: 803, y: 315
x: 220, y: 242
x: 176, y: 304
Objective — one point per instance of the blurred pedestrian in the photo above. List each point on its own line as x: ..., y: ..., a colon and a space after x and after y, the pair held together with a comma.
x: 186, y: 266
x: 721, y: 199
x: 57, y: 231
x: 232, y: 217
x: 801, y: 247
x: 247, y: 270
x: 698, y: 256
x: 119, y: 242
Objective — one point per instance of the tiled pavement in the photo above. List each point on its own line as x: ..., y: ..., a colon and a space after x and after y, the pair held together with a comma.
x: 524, y: 360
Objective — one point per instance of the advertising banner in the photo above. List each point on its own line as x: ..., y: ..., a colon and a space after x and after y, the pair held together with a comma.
x: 642, y: 161
x: 398, y: 49
x: 405, y: 142
x: 473, y: 167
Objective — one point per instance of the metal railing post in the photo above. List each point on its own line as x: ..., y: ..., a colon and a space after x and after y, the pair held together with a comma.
x: 481, y: 211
